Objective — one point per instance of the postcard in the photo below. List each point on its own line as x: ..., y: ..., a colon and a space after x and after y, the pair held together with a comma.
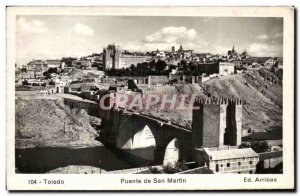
x: 150, y: 98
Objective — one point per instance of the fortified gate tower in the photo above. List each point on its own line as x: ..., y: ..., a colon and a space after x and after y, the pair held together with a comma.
x: 217, y: 122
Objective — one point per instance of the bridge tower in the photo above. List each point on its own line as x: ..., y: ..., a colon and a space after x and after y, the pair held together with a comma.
x: 217, y: 122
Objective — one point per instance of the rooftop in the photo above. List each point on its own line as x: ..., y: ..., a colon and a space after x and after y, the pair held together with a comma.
x: 269, y: 155
x: 230, y: 154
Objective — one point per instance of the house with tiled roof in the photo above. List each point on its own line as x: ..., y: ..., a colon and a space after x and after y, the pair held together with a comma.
x: 232, y: 160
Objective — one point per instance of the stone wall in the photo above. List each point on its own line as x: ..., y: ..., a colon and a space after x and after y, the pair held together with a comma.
x: 91, y: 107
x: 217, y: 122
x: 271, y: 163
x: 158, y: 79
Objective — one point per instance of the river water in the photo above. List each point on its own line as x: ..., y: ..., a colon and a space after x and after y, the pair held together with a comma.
x: 41, y: 160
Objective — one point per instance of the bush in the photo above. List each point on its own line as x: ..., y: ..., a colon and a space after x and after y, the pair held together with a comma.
x: 178, y: 167
x: 245, y: 145
x: 25, y: 82
x: 257, y: 146
x: 50, y: 71
x: 169, y: 169
x: 154, y: 170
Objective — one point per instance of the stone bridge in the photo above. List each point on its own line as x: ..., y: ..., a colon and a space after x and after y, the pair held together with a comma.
x: 151, y: 138
x: 156, y: 140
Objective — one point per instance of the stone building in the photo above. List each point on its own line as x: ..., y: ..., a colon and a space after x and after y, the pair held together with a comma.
x: 173, y: 49
x: 113, y: 58
x: 231, y: 160
x: 53, y: 63
x: 26, y: 75
x: 127, y: 61
x: 35, y: 64
x: 216, y: 133
x: 226, y: 68
x: 82, y: 64
x: 222, y: 68
x: 217, y: 122
x: 208, y: 68
x: 270, y: 159
x: 232, y: 52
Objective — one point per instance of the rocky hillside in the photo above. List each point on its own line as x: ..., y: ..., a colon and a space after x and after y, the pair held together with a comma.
x: 262, y: 99
x: 46, y: 122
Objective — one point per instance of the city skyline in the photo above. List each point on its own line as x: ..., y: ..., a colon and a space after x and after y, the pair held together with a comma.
x: 49, y: 37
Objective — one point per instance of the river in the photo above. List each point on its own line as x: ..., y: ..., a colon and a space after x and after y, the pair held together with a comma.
x: 42, y: 160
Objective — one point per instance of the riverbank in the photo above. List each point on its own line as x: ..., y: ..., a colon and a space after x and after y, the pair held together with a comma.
x: 78, y: 169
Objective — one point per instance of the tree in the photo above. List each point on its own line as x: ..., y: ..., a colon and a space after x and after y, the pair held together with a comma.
x: 50, y: 71
x: 25, y: 82
x: 183, y: 63
x: 185, y: 67
x: 260, y: 146
x: 68, y: 61
x: 160, y: 66
x: 195, y: 73
x: 245, y: 145
x: 142, y: 69
x: 152, y: 65
x: 257, y: 146
x: 51, y: 82
x: 172, y: 67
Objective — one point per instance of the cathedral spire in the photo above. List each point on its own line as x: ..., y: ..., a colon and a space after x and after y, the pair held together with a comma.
x: 233, y: 50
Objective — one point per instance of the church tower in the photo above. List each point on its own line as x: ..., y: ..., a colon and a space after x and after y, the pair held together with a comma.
x: 180, y: 48
x: 233, y: 50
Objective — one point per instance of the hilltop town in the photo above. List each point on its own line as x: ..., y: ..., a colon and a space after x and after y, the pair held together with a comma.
x: 241, y: 119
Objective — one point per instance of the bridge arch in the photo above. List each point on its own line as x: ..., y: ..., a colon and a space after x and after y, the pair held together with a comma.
x: 172, y: 153
x: 144, y: 138
x: 133, y: 134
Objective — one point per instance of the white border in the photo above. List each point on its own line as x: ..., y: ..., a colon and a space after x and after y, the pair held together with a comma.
x: 195, y: 182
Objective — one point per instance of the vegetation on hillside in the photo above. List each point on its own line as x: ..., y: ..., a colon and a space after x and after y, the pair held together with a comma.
x: 142, y: 69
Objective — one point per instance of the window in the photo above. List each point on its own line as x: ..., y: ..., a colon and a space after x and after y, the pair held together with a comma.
x: 239, y: 163
x: 239, y: 172
x: 250, y: 162
x: 221, y: 165
x: 228, y: 164
x: 250, y: 172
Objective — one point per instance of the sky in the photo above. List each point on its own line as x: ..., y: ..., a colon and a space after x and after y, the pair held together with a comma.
x: 54, y: 37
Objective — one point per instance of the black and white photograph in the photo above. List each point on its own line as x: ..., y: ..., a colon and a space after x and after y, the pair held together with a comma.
x: 106, y: 94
